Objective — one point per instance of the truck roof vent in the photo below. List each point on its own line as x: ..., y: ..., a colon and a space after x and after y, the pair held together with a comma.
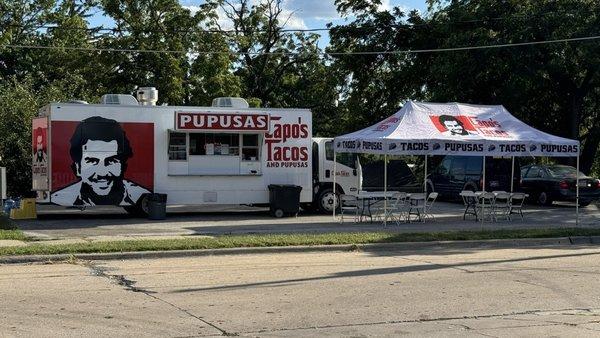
x: 78, y: 102
x: 120, y: 99
x: 230, y: 102
x: 147, y: 96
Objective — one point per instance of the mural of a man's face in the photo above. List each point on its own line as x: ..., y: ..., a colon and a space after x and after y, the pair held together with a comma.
x: 39, y: 144
x: 100, y: 166
x: 454, y: 127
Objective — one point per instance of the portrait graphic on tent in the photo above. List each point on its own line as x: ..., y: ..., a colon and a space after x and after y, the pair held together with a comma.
x: 39, y: 163
x: 104, y: 162
x: 450, y: 125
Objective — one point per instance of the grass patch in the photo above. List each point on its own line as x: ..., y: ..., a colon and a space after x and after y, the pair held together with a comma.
x: 13, y: 234
x: 6, y: 223
x: 221, y: 242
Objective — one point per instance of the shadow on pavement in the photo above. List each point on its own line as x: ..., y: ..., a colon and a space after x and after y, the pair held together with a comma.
x: 103, y: 221
x: 384, y: 271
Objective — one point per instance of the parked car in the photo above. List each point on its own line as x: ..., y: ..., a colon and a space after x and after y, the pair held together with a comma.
x: 400, y: 177
x: 454, y: 174
x: 548, y: 183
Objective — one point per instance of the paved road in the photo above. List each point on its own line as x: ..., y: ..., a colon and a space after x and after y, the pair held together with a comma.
x: 57, y: 222
x: 481, y: 292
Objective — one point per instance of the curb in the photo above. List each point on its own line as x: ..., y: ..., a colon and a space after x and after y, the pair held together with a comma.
x: 399, y: 246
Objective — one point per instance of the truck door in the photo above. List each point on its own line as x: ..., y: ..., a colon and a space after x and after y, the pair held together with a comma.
x: 347, y: 175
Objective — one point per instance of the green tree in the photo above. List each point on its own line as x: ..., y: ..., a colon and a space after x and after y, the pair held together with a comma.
x: 21, y: 101
x: 553, y: 87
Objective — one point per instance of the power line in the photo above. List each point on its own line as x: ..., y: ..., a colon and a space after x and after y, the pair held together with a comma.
x: 321, y: 53
x: 300, y: 30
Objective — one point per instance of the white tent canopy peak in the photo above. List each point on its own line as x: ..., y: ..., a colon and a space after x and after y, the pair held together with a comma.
x: 455, y: 129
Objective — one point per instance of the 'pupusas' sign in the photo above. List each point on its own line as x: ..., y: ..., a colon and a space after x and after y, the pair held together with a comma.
x: 221, y: 121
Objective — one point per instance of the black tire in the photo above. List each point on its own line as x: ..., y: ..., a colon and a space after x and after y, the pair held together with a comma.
x: 140, y: 209
x: 470, y: 187
x: 584, y: 203
x: 134, y: 210
x: 326, y: 200
x: 543, y: 198
x: 278, y: 213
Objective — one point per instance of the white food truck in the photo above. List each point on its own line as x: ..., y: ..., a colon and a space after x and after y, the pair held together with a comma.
x: 121, y: 151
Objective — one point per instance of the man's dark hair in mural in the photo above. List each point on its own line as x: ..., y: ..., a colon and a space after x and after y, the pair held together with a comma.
x: 453, y: 125
x: 39, y: 141
x: 100, y: 150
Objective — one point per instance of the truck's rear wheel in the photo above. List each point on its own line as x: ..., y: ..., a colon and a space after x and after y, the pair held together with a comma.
x: 327, y: 201
x: 140, y: 209
x: 133, y: 210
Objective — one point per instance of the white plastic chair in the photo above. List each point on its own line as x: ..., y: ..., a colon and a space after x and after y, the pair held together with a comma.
x: 416, y: 203
x: 471, y: 203
x: 397, y: 210
x: 517, y: 200
x: 349, y: 204
x: 429, y: 204
x: 501, y: 205
x: 486, y: 204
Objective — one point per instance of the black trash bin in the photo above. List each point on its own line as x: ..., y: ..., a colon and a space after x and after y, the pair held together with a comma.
x: 157, y: 206
x: 284, y: 199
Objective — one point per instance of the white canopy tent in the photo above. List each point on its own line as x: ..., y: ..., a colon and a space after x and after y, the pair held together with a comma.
x: 456, y: 129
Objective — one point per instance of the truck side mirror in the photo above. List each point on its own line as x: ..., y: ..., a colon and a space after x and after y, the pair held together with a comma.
x: 354, y: 172
x: 327, y: 173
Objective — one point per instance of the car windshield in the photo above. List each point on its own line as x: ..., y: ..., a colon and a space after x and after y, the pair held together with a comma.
x: 563, y: 171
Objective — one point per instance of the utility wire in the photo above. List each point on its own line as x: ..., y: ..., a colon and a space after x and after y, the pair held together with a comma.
x: 300, y: 30
x: 322, y: 53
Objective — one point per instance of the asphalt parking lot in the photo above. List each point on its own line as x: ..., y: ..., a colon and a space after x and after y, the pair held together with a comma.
x: 432, y: 292
x: 59, y: 222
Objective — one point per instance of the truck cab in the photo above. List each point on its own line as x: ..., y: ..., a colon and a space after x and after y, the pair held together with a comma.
x: 348, y: 174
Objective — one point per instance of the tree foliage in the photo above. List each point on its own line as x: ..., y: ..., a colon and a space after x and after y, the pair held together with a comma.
x: 241, y: 48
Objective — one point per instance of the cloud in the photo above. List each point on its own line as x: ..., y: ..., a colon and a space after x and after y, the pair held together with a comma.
x: 290, y: 16
x: 385, y: 6
x: 313, y: 9
x: 293, y: 20
x: 192, y: 8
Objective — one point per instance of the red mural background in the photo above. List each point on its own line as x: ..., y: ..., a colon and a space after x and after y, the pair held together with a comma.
x: 140, y: 167
x: 463, y: 119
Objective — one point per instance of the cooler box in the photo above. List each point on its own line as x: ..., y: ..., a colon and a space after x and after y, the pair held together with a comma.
x: 26, y: 210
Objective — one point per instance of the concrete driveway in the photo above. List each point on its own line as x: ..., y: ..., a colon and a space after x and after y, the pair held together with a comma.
x: 58, y: 222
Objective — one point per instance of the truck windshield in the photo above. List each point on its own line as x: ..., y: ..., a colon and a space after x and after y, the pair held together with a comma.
x: 347, y: 159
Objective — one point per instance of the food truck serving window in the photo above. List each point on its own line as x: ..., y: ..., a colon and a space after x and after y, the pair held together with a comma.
x: 214, y: 153
x: 214, y: 144
x: 177, y: 146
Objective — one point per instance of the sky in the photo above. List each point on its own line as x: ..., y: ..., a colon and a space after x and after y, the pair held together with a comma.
x: 304, y: 14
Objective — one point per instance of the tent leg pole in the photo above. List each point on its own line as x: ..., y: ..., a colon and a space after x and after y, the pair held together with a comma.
x: 483, y: 181
x: 577, y: 194
x: 483, y: 189
x: 334, y: 195
x: 425, y: 178
x: 385, y: 189
x: 512, y: 175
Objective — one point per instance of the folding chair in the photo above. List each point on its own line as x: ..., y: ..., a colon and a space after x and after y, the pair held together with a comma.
x: 471, y: 203
x: 398, y: 208
x: 429, y: 203
x: 501, y: 205
x: 416, y: 203
x: 486, y: 202
x: 517, y: 200
x: 349, y: 205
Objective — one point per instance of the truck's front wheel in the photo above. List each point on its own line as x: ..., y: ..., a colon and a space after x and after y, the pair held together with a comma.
x: 327, y: 201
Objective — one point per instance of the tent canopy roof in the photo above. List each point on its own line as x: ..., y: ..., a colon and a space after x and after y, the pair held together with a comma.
x: 454, y: 129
